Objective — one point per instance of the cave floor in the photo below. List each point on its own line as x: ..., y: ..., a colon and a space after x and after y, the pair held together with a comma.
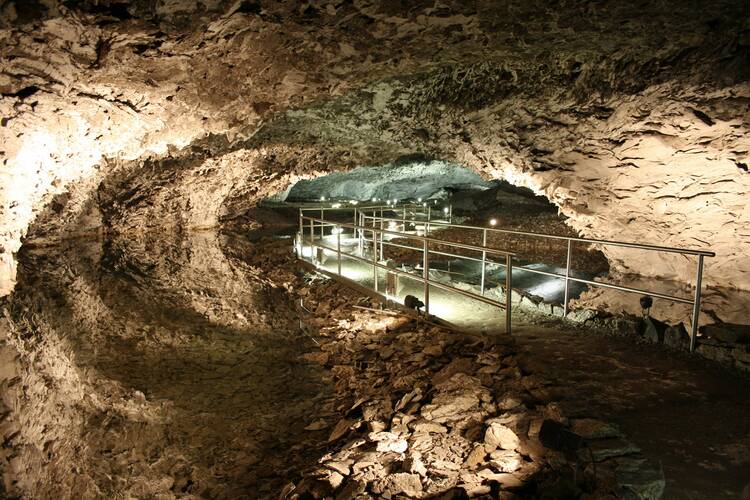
x: 682, y: 411
x: 221, y: 405
x: 686, y: 413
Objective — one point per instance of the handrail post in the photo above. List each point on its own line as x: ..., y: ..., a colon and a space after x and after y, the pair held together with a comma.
x: 301, y: 237
x: 338, y: 249
x: 381, y: 235
x: 508, y: 291
x: 312, y: 238
x: 361, y: 232
x: 426, y: 276
x: 354, y: 231
x: 374, y: 257
x: 484, y: 258
x: 567, y: 281
x: 450, y: 214
x: 322, y: 224
x: 696, y: 304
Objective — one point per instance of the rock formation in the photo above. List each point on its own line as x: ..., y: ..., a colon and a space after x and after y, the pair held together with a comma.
x: 631, y: 118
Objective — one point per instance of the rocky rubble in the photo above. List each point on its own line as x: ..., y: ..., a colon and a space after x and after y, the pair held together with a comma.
x: 428, y: 412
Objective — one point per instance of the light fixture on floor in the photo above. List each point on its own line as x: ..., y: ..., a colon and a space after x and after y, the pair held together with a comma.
x: 493, y: 222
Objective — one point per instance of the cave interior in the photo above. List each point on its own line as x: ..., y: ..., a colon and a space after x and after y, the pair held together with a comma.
x: 167, y: 331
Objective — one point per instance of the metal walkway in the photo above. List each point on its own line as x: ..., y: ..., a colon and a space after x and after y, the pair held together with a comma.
x: 409, y: 227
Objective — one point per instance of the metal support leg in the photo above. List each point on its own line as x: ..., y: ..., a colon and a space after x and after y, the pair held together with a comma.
x: 426, y: 276
x: 696, y: 304
x: 322, y: 218
x: 338, y: 250
x: 567, y: 281
x: 354, y: 231
x: 484, y: 258
x: 508, y: 292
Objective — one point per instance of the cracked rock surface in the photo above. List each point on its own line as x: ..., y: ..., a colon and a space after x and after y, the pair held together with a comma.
x: 631, y: 118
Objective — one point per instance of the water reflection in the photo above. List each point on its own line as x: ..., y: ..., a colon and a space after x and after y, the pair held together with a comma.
x: 192, y: 351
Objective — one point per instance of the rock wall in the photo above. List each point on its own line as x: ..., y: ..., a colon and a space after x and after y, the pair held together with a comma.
x: 631, y: 118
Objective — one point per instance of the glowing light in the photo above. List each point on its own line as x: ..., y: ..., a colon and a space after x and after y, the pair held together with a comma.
x: 336, y: 205
x: 337, y: 230
x: 419, y: 200
x: 392, y: 225
x: 445, y: 210
x: 493, y: 222
x: 322, y: 198
x: 374, y: 199
x: 424, y: 204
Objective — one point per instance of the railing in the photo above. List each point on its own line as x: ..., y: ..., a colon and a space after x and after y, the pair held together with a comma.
x: 309, y: 235
x: 428, y: 225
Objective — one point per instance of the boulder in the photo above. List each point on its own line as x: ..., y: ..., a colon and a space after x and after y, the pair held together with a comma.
x: 653, y: 330
x: 677, y: 337
x: 581, y: 315
x: 501, y: 436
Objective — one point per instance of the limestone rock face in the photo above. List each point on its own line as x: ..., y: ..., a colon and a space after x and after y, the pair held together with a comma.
x: 632, y: 119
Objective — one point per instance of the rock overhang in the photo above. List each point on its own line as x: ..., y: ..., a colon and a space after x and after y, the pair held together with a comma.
x: 632, y: 133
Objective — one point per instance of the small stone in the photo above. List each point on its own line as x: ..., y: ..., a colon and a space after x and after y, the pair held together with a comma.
x: 415, y: 465
x: 509, y: 401
x: 501, y: 436
x: 425, y: 426
x: 340, y: 430
x: 506, y: 460
x: 581, y: 315
x: 340, y: 467
x: 608, y: 448
x: 506, y: 479
x: 460, y: 365
x: 403, y: 482
x: 335, y: 479
x: 433, y: 350
x: 476, y: 457
x: 318, y: 425
x: 589, y: 428
x: 317, y: 357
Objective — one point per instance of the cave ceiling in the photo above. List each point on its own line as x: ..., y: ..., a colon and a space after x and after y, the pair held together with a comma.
x: 632, y: 117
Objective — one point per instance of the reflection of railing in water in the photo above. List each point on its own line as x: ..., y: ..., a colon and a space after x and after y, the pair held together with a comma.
x: 377, y: 217
x: 314, y: 241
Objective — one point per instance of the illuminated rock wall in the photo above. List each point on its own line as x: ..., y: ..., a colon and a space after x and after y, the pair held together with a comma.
x: 635, y: 131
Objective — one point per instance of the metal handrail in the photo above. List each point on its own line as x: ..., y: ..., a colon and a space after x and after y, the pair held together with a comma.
x: 642, y: 246
x: 412, y: 236
x: 425, y: 279
x: 701, y: 254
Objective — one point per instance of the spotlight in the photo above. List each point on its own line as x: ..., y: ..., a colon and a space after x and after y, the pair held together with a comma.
x: 424, y: 204
x: 336, y: 205
x: 374, y: 199
x: 322, y: 198
x: 419, y: 200
x: 445, y: 210
x: 493, y: 222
